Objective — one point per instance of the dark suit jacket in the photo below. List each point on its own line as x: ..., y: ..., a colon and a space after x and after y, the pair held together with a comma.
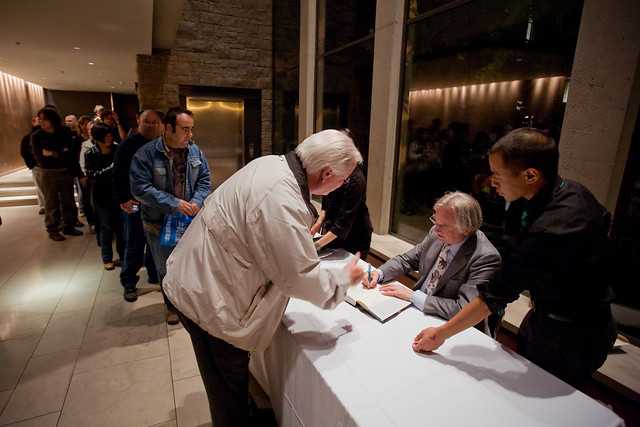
x: 475, y: 263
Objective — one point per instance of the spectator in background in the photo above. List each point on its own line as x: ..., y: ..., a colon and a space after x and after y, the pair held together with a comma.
x: 53, y: 151
x: 169, y: 175
x: 98, y: 110
x: 99, y: 167
x: 84, y: 127
x: 344, y: 219
x: 71, y: 121
x: 110, y: 118
x: 135, y: 255
x: 30, y: 161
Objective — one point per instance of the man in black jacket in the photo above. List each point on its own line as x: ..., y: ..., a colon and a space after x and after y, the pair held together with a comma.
x: 30, y: 161
x: 135, y: 255
x: 53, y: 151
x: 557, y: 249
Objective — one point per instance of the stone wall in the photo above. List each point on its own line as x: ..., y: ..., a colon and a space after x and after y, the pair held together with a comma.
x: 219, y: 44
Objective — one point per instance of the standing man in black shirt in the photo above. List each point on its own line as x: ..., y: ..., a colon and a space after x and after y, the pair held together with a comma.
x: 557, y: 249
x: 53, y: 151
x: 149, y: 128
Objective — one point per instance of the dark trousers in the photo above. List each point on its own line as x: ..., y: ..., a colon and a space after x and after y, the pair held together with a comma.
x: 85, y: 197
x: 570, y: 351
x: 225, y: 373
x: 160, y: 255
x: 136, y: 252
x: 57, y: 186
x: 110, y: 228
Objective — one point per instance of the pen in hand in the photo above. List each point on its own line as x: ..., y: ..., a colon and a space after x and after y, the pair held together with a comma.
x: 369, y: 274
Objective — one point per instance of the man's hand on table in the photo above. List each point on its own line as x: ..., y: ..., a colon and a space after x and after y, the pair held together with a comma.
x: 427, y: 340
x: 397, y: 290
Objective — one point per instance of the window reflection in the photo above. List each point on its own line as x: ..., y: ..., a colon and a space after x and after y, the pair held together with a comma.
x: 474, y: 71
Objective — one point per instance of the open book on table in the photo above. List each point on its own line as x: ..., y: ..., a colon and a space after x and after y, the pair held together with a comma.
x: 371, y: 300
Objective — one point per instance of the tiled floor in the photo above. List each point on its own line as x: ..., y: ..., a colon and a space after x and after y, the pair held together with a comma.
x: 73, y: 352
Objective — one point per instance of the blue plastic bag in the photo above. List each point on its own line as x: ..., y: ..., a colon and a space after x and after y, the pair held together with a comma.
x: 173, y: 228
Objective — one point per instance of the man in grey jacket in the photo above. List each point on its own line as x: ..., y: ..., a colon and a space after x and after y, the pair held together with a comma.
x: 453, y: 259
x: 246, y: 253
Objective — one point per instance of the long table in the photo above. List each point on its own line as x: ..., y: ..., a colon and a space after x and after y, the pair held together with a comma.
x: 344, y: 368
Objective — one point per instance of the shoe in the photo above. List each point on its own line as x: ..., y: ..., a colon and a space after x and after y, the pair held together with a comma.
x: 41, y: 211
x: 172, y: 317
x: 72, y: 232
x: 57, y: 237
x: 130, y: 294
x: 79, y: 224
x: 109, y: 266
x: 117, y: 263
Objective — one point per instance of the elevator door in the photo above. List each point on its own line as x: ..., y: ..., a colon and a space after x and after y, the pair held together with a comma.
x: 219, y: 132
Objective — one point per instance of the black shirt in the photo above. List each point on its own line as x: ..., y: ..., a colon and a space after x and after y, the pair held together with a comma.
x: 558, y: 250
x: 347, y: 215
x: 122, y: 166
x: 60, y: 144
x: 99, y: 169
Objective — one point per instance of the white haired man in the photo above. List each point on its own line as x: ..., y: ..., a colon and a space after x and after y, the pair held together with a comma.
x: 249, y: 250
x: 453, y: 259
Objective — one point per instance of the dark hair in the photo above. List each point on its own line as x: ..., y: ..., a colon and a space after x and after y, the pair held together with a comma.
x: 52, y: 116
x: 50, y: 107
x: 172, y: 115
x: 528, y: 148
x: 82, y: 120
x: 160, y: 114
x: 99, y: 132
x: 106, y: 113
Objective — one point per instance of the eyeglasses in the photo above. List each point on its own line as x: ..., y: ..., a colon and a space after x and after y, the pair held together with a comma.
x: 432, y: 218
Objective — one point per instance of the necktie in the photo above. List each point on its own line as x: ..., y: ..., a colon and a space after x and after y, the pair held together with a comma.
x: 438, y: 271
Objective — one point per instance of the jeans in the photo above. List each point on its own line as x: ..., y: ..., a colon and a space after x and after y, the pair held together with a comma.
x: 225, y: 373
x: 85, y: 197
x: 160, y: 255
x: 136, y: 252
x: 110, y: 227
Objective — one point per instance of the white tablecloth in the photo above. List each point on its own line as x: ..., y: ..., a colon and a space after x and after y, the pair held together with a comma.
x: 343, y: 368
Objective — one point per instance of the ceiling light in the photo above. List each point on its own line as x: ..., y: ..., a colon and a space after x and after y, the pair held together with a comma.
x: 76, y: 48
x: 92, y: 63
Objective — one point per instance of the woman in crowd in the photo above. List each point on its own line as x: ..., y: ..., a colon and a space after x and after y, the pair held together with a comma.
x: 344, y: 219
x: 99, y: 168
x: 84, y: 127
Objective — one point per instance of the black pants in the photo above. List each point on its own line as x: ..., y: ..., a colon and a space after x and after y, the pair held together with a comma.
x: 225, y: 373
x: 570, y: 351
x: 110, y: 228
x: 57, y: 186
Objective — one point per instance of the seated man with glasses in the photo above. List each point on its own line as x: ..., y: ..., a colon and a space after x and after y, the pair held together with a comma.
x: 453, y: 259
